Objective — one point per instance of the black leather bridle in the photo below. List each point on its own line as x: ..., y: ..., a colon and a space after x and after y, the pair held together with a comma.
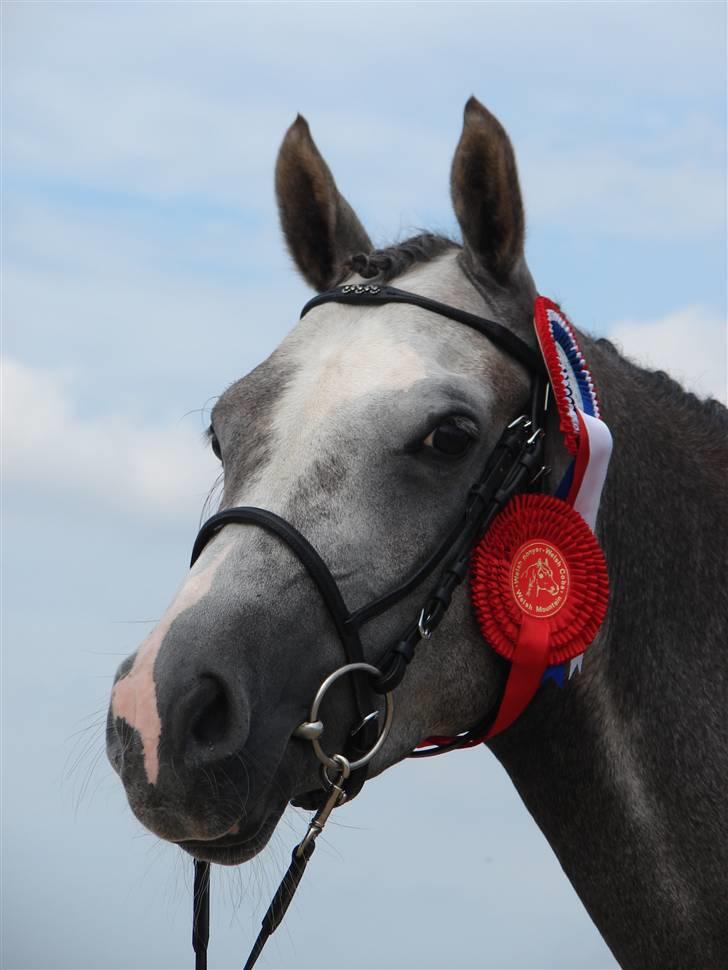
x: 512, y: 467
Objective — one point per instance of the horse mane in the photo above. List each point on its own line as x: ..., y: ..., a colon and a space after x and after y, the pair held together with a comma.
x: 391, y: 261
x: 667, y: 390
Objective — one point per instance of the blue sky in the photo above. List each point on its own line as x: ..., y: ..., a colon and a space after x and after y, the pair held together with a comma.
x: 143, y: 271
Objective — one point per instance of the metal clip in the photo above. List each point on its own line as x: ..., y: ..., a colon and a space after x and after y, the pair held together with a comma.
x: 337, y: 796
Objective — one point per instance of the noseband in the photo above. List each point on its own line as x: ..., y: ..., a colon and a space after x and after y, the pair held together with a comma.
x: 513, y: 466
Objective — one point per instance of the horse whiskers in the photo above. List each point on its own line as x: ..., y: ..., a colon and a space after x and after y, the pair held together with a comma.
x: 77, y: 737
x: 212, y: 783
x: 243, y: 798
x: 95, y: 715
x: 256, y: 763
x: 213, y: 497
x: 204, y: 411
x: 85, y: 784
x: 173, y: 769
x: 83, y: 745
x: 87, y: 749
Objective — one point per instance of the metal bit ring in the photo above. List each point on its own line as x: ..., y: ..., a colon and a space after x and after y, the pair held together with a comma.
x: 324, y: 758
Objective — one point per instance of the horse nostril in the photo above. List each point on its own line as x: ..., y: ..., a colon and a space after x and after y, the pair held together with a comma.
x: 212, y: 722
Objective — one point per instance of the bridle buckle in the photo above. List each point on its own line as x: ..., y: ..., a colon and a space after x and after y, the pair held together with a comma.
x: 422, y: 626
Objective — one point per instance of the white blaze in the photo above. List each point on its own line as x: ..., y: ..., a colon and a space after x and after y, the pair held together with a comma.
x: 134, y: 697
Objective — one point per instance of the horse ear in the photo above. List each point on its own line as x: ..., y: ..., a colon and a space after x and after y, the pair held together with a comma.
x: 485, y: 193
x: 320, y: 226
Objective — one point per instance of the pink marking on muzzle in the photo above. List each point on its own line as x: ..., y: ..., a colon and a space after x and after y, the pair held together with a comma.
x: 134, y: 697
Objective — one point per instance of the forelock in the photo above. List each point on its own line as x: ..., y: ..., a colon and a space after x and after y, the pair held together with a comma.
x: 386, y: 264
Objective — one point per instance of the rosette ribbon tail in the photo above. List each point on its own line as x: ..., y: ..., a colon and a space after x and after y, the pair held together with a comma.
x: 528, y: 665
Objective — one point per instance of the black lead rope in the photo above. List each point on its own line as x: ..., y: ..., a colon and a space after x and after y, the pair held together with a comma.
x: 281, y: 901
x: 511, y: 468
x: 271, y: 920
x: 201, y: 913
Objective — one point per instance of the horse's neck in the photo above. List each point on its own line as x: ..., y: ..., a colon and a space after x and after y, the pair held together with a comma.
x: 625, y: 769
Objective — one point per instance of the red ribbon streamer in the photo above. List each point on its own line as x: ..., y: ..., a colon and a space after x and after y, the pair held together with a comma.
x: 528, y: 665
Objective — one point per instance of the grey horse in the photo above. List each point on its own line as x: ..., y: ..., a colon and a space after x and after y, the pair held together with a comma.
x: 339, y: 431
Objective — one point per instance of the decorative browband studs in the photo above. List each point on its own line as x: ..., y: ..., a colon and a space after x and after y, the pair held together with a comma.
x: 360, y: 288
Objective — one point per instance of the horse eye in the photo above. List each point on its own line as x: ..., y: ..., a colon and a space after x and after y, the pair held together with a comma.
x: 449, y: 439
x: 215, y: 444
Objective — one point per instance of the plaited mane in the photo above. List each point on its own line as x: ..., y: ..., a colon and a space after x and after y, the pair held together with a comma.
x: 390, y: 262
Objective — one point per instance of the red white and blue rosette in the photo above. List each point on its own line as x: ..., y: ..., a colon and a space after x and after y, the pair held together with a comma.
x: 585, y: 434
x: 570, y: 378
x: 539, y: 581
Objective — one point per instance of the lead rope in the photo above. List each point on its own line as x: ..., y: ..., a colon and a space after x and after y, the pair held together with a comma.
x: 299, y: 860
x: 285, y: 892
x: 310, y: 730
x: 201, y: 913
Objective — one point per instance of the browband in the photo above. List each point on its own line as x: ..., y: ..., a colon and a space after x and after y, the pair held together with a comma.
x: 373, y: 293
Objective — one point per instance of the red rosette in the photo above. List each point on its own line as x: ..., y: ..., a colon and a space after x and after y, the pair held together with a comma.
x: 539, y: 573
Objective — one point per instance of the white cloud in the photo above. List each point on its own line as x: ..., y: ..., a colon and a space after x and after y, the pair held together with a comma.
x: 152, y: 318
x: 690, y: 344
x: 110, y: 460
x: 194, y: 105
x: 617, y: 190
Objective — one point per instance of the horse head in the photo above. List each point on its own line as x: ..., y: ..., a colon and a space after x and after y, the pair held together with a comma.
x: 541, y: 576
x: 364, y: 430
